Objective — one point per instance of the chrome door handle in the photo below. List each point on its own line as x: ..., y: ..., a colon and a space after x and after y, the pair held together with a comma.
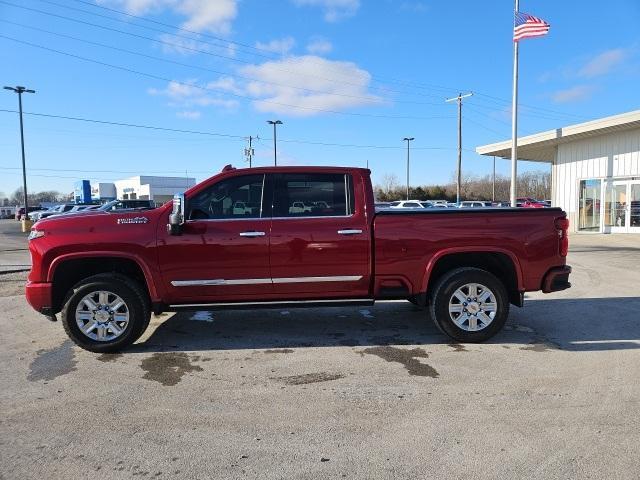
x: 349, y: 231
x: 252, y: 234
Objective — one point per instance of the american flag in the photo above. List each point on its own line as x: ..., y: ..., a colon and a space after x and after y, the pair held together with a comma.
x: 528, y: 26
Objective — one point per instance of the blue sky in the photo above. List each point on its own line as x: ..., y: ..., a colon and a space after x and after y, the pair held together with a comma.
x: 348, y: 72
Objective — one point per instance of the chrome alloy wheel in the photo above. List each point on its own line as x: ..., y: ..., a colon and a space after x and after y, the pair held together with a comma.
x: 472, y: 307
x: 102, y: 316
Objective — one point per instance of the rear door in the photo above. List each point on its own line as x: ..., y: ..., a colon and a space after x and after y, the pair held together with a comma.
x: 323, y: 249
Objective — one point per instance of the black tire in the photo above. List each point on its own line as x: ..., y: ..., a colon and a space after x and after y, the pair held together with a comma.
x: 447, y: 286
x: 128, y: 290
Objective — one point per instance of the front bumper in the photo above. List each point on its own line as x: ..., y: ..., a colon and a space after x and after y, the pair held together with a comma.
x: 39, y: 296
x: 556, y: 279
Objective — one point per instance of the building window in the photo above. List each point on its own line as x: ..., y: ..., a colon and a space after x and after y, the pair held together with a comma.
x: 589, y: 205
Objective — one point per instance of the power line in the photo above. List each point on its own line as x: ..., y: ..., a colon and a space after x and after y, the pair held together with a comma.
x: 178, y: 46
x: 209, y: 89
x: 199, y: 67
x: 343, y: 81
x: 215, y: 134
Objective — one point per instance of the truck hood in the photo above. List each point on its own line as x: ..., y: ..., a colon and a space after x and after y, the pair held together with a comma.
x: 80, y: 227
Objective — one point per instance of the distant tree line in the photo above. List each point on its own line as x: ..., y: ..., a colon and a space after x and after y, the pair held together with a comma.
x: 473, y: 187
x: 17, y: 197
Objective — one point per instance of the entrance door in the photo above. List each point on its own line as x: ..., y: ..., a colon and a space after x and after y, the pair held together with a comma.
x: 634, y: 207
x: 622, y: 207
x: 615, y: 205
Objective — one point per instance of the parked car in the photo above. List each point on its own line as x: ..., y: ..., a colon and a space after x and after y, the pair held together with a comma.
x: 57, y: 210
x: 20, y: 212
x: 527, y: 202
x: 407, y: 204
x: 127, y: 205
x: 77, y: 208
x: 475, y: 204
x: 107, y: 271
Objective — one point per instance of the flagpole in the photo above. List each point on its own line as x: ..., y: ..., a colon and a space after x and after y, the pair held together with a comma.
x: 514, y: 121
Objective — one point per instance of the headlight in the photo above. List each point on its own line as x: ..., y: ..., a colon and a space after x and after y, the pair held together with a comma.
x: 36, y: 234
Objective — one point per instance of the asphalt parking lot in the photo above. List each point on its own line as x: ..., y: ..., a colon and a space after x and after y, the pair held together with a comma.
x: 335, y: 392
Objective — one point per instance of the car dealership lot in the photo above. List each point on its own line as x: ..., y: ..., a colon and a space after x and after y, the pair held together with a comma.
x: 342, y: 392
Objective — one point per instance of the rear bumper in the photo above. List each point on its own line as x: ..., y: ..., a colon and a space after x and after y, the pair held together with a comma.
x: 556, y: 279
x: 39, y: 297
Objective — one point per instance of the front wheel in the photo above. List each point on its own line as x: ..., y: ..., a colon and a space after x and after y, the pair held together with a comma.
x: 105, y: 313
x: 469, y: 304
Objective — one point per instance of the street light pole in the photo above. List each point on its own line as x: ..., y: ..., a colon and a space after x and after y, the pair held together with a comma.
x: 20, y: 90
x: 408, y: 139
x: 459, y: 173
x: 275, y: 150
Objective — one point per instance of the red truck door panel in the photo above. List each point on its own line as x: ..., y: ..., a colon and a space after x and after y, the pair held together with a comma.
x: 223, y: 252
x: 319, y: 242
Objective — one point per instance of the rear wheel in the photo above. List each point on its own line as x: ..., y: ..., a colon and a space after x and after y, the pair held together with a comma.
x: 469, y: 304
x: 105, y: 313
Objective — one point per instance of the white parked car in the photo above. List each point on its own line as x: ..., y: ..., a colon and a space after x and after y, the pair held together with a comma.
x: 407, y: 204
x: 475, y: 204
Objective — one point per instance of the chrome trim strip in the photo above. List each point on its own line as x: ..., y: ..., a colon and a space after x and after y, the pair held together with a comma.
x: 343, y: 278
x: 349, y: 231
x: 273, y: 302
x: 260, y: 281
x: 252, y: 234
x: 220, y: 281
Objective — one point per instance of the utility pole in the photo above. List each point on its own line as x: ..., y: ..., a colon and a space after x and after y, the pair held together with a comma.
x: 459, y: 173
x: 408, y: 140
x: 493, y: 190
x: 250, y: 152
x: 275, y: 151
x: 20, y: 90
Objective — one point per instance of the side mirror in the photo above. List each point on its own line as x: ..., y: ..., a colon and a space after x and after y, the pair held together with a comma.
x: 176, y: 218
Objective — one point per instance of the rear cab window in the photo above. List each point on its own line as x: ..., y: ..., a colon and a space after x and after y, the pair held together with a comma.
x: 313, y: 195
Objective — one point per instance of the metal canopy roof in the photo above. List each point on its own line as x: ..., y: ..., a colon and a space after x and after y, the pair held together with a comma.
x: 541, y: 147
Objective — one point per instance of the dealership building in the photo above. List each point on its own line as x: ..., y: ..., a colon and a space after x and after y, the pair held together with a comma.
x: 595, y: 170
x: 142, y: 187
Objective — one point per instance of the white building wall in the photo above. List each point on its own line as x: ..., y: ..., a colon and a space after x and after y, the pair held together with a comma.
x: 613, y: 155
x: 153, y: 187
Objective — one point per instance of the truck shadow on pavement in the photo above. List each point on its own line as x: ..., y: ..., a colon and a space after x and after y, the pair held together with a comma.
x: 542, y: 326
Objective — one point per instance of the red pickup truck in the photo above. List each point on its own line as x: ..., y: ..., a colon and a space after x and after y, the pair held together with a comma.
x: 289, y: 236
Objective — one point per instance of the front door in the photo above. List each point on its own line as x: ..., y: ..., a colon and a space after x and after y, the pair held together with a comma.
x: 319, y: 243
x: 223, y: 252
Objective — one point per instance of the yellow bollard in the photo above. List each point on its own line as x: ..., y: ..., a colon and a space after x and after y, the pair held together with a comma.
x: 26, y: 225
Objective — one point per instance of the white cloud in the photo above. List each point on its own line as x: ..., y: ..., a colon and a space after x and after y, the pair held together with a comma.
x: 189, y: 114
x: 202, y: 15
x: 573, y: 94
x: 281, y: 46
x: 316, y: 74
x: 602, y: 63
x: 186, y: 94
x: 334, y: 10
x: 227, y: 84
x: 319, y: 46
x: 188, y: 46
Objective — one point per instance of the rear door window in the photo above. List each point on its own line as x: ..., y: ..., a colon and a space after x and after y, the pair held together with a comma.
x: 313, y: 195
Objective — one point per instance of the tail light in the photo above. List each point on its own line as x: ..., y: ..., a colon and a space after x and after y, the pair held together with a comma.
x: 562, y: 225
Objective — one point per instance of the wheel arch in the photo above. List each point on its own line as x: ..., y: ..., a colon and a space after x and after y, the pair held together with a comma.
x: 67, y: 270
x: 501, y: 263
